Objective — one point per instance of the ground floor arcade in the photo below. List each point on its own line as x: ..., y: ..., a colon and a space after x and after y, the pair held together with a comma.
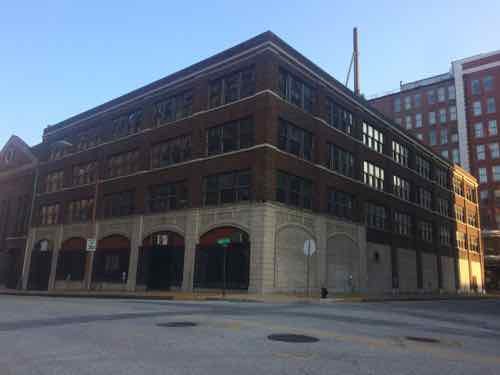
x: 253, y: 247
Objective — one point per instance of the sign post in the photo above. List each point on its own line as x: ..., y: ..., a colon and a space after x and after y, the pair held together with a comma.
x: 224, y: 242
x: 309, y: 249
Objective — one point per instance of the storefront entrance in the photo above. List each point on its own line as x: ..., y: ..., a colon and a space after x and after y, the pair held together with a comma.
x: 41, y: 259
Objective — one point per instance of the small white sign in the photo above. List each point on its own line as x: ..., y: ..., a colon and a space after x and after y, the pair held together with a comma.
x: 44, y: 246
x: 309, y: 247
x: 91, y: 244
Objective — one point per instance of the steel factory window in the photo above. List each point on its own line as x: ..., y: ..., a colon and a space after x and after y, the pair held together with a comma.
x: 442, y: 177
x: 455, y: 156
x: 174, y: 108
x: 454, y: 137
x: 492, y: 127
x: 425, y: 231
x: 49, y: 214
x: 123, y: 164
x: 401, y: 187
x: 295, y: 91
x: 425, y: 198
x: 443, y: 207
x: 400, y: 153
x: 294, y: 190
x: 474, y: 243
x: 495, y: 171
x: 295, y: 140
x: 232, y: 87
x: 84, y: 173
x: 338, y: 117
x: 418, y: 120
x: 119, y: 204
x: 397, y: 105
x: 373, y: 176
x: 475, y: 87
x: 168, y: 197
x: 472, y: 219
x: 408, y: 122
x: 417, y: 99
x: 490, y: 105
x: 483, y: 176
x: 441, y: 94
x: 445, y: 235
x: 399, y: 121
x: 494, y: 150
x: 402, y: 224
x: 458, y: 187
x: 480, y: 152
x: 451, y: 92
x: 340, y: 204
x: 127, y: 124
x: 478, y: 130
x: 230, y: 137
x: 174, y: 151
x: 80, y: 211
x: 419, y: 136
x: 444, y: 154
x: 431, y: 97
x: 88, y: 140
x: 53, y: 182
x: 470, y: 193
x: 444, y: 136
x: 453, y: 113
x: 340, y: 160
x: 375, y: 216
x: 476, y: 107
x: 423, y: 166
x: 442, y: 115
x: 461, y: 240
x: 408, y: 102
x: 59, y: 151
x: 459, y: 213
x: 432, y: 138
x: 488, y: 83
x: 373, y: 138
x: 432, y: 118
x: 227, y: 188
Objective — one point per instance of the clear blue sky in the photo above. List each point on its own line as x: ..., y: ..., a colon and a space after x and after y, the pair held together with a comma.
x: 59, y: 58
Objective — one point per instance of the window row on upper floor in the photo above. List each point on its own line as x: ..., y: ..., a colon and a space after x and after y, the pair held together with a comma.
x: 433, y: 96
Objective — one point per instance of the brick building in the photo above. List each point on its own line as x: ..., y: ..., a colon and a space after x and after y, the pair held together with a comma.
x: 456, y: 114
x: 259, y: 149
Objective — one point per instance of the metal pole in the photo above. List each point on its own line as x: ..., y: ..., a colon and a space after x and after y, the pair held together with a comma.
x: 356, y: 61
x: 307, y: 273
x: 224, y: 272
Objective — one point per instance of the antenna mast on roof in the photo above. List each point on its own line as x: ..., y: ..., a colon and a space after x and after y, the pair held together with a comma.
x: 355, y: 62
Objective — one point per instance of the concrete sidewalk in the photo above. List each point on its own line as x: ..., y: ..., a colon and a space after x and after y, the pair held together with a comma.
x: 248, y: 297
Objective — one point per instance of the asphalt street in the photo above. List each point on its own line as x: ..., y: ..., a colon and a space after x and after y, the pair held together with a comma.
x: 52, y: 336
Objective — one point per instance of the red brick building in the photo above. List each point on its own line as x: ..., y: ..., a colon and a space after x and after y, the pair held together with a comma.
x: 227, y: 168
x: 457, y: 114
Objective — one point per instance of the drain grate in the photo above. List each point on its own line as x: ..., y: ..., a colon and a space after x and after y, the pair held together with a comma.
x: 177, y: 324
x: 287, y: 337
x: 428, y: 340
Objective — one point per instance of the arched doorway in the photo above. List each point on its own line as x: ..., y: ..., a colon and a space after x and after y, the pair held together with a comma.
x: 161, y: 261
x: 71, y: 260
x: 211, y: 256
x: 41, y: 259
x: 342, y: 264
x: 111, y: 260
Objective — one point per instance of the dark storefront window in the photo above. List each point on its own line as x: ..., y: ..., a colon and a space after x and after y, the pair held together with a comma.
x: 230, y: 137
x: 293, y: 190
x: 168, y: 197
x: 227, y: 188
x: 295, y: 140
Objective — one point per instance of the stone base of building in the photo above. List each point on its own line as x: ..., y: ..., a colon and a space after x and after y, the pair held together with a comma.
x: 343, y: 260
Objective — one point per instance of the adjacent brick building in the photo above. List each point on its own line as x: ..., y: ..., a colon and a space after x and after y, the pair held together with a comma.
x: 259, y: 150
x: 456, y: 114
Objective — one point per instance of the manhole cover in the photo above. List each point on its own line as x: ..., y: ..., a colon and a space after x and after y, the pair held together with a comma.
x: 177, y: 324
x: 284, y: 337
x: 428, y: 340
